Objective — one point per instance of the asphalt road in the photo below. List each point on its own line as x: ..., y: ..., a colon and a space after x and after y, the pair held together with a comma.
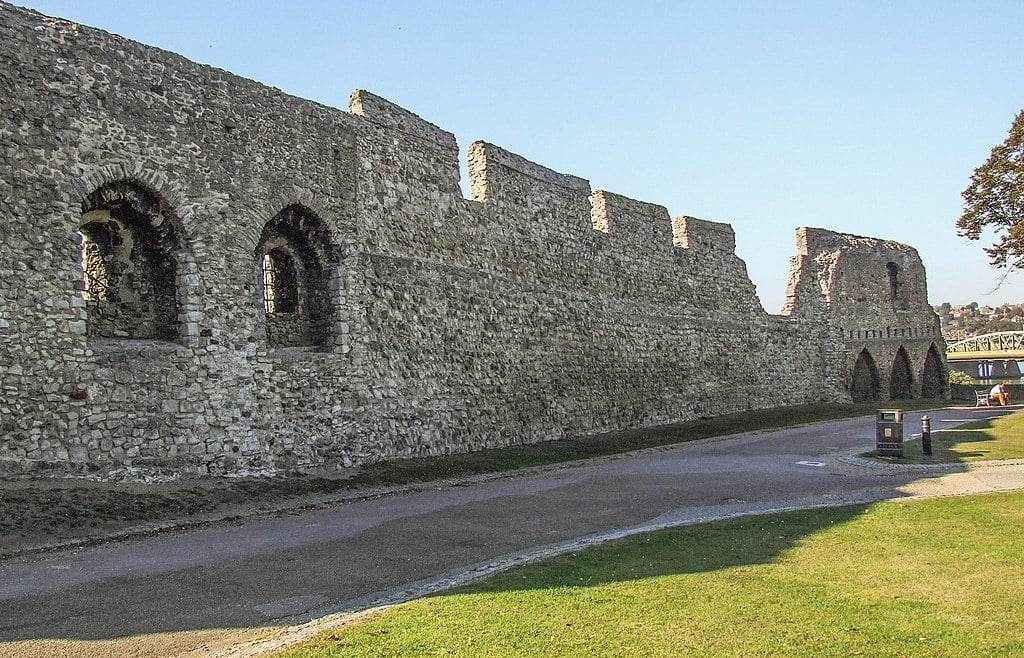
x: 206, y: 590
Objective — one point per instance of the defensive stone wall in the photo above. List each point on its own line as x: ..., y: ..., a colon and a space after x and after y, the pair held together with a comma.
x: 201, y: 274
x: 873, y: 294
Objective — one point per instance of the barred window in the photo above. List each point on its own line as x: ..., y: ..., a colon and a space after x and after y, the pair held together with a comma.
x: 280, y: 282
x: 95, y: 245
x: 292, y: 260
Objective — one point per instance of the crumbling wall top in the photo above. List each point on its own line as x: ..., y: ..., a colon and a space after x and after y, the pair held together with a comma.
x: 637, y: 224
x: 859, y: 280
x: 705, y: 236
x: 492, y: 168
x: 385, y: 113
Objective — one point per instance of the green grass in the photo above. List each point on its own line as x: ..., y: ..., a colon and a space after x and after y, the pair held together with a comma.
x: 932, y: 578
x: 995, y: 438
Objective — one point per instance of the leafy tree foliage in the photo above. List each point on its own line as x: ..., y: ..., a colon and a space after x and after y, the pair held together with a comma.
x: 995, y: 200
x: 957, y: 377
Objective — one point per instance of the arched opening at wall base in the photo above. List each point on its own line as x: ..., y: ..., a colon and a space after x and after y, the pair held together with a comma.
x: 901, y: 378
x: 933, y: 380
x: 865, y: 385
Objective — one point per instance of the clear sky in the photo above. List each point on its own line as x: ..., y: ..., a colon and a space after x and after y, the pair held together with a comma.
x: 863, y: 116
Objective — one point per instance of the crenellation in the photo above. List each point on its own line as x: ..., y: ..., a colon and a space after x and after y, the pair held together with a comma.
x: 414, y: 150
x: 202, y: 274
x: 637, y: 226
x: 385, y: 113
x: 703, y: 236
x: 499, y: 168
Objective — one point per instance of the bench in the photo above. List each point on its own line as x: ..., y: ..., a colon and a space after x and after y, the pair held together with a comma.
x: 983, y: 399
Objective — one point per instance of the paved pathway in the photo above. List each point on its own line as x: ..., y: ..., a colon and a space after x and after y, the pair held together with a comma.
x: 208, y: 590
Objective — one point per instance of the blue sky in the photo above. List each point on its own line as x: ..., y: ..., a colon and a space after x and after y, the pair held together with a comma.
x: 865, y: 117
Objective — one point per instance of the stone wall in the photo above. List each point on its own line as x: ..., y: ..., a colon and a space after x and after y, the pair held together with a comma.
x: 874, y: 296
x: 408, y: 320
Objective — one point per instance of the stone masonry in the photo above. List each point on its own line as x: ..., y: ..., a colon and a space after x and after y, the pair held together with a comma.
x: 202, y: 274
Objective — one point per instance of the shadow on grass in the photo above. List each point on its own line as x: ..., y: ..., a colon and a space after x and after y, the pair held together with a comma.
x: 993, y: 438
x: 944, y: 445
x: 862, y: 579
x: 129, y: 610
x: 699, y: 548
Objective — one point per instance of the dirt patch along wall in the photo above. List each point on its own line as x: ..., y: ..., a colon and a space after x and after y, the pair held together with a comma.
x: 408, y: 320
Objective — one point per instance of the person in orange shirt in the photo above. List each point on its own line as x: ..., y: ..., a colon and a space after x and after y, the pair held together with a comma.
x: 999, y: 394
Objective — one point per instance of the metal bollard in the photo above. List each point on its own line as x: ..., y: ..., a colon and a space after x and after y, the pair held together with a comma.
x: 926, y: 435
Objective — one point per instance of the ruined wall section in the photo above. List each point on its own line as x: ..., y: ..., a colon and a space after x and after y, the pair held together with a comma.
x: 575, y: 312
x: 873, y: 295
x: 84, y: 109
x: 536, y: 310
x: 535, y: 221
x: 530, y: 223
x: 636, y: 242
x: 719, y: 278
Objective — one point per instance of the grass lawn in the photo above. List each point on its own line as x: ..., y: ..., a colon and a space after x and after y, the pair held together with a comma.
x: 995, y: 438
x: 942, y: 577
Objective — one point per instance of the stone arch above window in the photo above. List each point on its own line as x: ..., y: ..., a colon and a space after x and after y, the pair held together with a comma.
x: 129, y: 271
x: 295, y: 257
x: 864, y: 385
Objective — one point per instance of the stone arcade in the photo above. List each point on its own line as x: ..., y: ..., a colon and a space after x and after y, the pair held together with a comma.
x: 202, y: 274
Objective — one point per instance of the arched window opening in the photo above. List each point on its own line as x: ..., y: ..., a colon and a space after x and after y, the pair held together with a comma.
x: 933, y: 384
x: 864, y: 385
x: 901, y: 379
x: 129, y: 273
x: 294, y: 255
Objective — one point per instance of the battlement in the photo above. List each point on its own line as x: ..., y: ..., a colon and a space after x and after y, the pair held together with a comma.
x: 704, y: 236
x: 494, y: 171
x: 638, y: 224
x: 385, y: 113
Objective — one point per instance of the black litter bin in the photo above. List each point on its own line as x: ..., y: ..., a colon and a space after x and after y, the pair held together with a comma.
x: 889, y: 432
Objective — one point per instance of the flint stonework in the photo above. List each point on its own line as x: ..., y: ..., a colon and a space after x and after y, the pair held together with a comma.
x: 201, y: 274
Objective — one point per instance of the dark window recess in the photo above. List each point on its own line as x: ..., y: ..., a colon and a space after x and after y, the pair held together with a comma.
x: 295, y: 259
x: 129, y: 271
x: 894, y: 280
x: 897, y: 291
